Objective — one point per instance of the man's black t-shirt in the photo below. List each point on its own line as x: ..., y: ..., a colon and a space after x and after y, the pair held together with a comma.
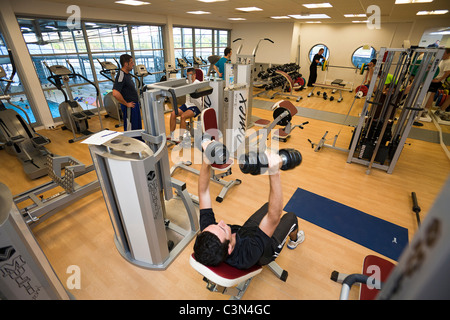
x: 125, y: 85
x: 250, y: 241
x: 316, y: 57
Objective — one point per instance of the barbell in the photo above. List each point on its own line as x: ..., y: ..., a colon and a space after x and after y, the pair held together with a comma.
x: 361, y: 69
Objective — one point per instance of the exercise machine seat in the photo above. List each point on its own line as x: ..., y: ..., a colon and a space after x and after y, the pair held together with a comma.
x: 224, y: 275
x: 385, y: 270
x: 199, y: 74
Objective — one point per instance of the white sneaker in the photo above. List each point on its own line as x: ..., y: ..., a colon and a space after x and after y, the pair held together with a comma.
x: 300, y: 238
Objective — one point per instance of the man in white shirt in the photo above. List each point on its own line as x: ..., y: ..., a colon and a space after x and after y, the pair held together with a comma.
x: 191, y: 108
x: 444, y: 73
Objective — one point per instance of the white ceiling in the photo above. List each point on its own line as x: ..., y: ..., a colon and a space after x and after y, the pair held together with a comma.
x: 221, y: 11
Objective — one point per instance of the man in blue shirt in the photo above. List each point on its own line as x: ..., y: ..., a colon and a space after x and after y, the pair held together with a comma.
x: 125, y: 92
x: 220, y: 65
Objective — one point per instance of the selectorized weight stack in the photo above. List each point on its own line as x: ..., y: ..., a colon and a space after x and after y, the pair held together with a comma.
x: 401, y: 78
x: 378, y: 139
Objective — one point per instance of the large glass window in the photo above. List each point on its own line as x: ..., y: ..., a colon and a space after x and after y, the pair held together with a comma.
x: 51, y: 41
x: 200, y: 43
x: 221, y: 40
x: 15, y: 89
x: 148, y: 50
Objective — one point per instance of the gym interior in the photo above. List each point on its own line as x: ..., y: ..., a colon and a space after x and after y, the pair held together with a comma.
x: 363, y: 188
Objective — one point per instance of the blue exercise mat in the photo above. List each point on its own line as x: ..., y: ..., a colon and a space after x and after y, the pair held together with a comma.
x: 371, y: 232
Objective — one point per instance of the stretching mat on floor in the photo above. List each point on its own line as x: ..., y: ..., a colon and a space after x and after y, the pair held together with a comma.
x: 371, y: 232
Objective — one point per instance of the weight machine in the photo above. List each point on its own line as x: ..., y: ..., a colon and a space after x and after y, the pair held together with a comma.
x: 26, y: 272
x: 135, y: 180
x: 378, y: 139
x: 63, y: 170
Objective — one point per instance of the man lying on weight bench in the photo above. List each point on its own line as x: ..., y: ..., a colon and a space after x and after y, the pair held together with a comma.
x: 261, y: 238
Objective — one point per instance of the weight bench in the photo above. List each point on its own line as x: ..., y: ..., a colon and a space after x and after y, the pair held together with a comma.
x: 231, y: 281
x: 209, y: 125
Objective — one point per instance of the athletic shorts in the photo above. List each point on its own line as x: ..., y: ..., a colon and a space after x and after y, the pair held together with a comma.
x: 194, y: 109
x: 288, y: 223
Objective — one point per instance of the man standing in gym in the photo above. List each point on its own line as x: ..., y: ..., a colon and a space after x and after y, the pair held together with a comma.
x: 313, y: 67
x: 220, y: 65
x: 125, y: 92
x: 261, y: 238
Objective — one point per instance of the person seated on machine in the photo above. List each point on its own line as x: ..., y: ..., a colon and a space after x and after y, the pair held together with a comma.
x: 191, y: 108
x: 261, y: 238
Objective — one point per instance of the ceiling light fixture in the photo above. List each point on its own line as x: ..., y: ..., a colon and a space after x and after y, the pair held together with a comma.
x: 198, y: 12
x: 411, y: 1
x: 132, y: 2
x: 359, y: 15
x: 424, y: 13
x: 310, y: 16
x: 211, y: 1
x: 318, y: 5
x: 280, y: 17
x: 249, y: 9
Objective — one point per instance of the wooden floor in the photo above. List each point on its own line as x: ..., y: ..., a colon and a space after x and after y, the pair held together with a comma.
x: 82, y: 234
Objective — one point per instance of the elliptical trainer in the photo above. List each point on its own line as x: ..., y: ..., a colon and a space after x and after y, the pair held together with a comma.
x: 72, y: 114
x: 18, y: 136
x: 112, y: 106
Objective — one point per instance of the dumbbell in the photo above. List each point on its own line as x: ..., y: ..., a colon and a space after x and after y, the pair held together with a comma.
x: 258, y: 163
x: 325, y: 96
x: 216, y: 152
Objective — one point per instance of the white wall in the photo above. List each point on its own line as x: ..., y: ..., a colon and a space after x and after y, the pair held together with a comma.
x: 280, y: 33
x: 341, y: 39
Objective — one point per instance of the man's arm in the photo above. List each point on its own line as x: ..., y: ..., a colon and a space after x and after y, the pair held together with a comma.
x: 444, y: 76
x: 217, y: 70
x: 204, y: 198
x: 119, y: 97
x: 270, y: 221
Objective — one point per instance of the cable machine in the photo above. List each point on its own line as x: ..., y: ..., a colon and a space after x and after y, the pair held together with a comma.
x: 401, y: 79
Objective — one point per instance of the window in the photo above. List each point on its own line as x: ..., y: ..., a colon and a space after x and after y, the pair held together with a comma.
x: 52, y: 42
x: 221, y: 40
x: 183, y: 43
x: 363, y: 55
x: 15, y: 90
x: 199, y: 42
x: 315, y: 49
x: 148, y: 46
x: 56, y: 44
